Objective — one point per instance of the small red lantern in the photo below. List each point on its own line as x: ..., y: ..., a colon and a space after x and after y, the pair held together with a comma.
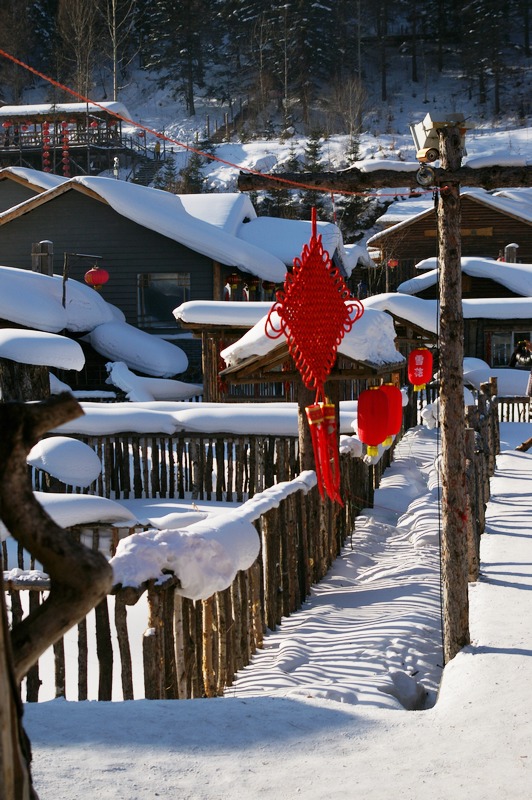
x: 393, y: 263
x: 96, y: 277
x: 24, y: 128
x: 420, y: 368
x: 142, y: 133
x: 6, y: 124
x: 234, y: 280
x: 372, y: 418
x: 93, y: 124
x: 64, y: 124
x: 253, y: 285
x: 395, y: 411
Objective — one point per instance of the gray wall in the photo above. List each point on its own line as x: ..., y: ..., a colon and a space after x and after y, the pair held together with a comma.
x: 13, y: 193
x: 76, y: 223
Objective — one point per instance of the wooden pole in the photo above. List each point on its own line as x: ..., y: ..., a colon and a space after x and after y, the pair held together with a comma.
x: 454, y: 487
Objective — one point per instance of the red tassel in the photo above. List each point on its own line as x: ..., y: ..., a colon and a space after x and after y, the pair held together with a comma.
x: 315, y: 422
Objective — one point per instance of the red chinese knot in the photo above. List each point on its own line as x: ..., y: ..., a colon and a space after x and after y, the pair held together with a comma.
x: 315, y: 310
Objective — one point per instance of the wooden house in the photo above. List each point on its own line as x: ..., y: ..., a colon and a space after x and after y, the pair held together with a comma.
x: 159, y: 249
x: 488, y: 224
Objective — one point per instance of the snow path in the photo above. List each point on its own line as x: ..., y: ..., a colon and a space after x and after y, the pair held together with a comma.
x: 476, y: 740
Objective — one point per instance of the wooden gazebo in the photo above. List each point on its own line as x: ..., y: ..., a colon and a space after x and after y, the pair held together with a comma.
x: 65, y: 138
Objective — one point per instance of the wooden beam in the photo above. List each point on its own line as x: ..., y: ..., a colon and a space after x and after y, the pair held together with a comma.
x: 354, y: 180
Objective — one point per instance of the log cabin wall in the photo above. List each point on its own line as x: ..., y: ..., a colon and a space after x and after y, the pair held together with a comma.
x: 485, y: 232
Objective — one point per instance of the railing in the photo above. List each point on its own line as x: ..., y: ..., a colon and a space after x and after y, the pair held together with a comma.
x: 514, y: 409
x: 194, y: 648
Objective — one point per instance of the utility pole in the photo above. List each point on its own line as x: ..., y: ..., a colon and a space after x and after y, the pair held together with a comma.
x: 454, y: 504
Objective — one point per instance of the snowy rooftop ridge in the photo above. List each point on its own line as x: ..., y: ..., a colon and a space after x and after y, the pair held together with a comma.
x: 264, y: 246
x: 516, y: 277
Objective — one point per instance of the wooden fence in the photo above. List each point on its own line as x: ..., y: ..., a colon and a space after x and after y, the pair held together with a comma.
x: 193, y: 649
x: 205, y: 467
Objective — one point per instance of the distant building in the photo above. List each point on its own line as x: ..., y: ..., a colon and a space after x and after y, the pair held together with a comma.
x: 488, y: 224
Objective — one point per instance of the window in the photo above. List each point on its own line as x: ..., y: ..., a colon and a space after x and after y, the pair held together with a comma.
x: 158, y: 294
x: 503, y: 344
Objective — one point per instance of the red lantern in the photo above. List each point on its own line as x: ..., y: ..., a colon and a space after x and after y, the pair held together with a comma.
x: 94, y: 124
x: 393, y: 263
x: 96, y: 277
x: 234, y: 280
x: 24, y: 128
x: 395, y: 411
x: 372, y: 418
x: 6, y: 124
x: 64, y: 124
x: 420, y: 368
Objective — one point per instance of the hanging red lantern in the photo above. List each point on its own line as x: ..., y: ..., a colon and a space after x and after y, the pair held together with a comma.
x: 64, y: 124
x: 24, y: 128
x: 420, y: 368
x: 6, y: 124
x: 372, y: 418
x: 96, y: 277
x: 253, y: 285
x: 234, y: 280
x: 93, y: 124
x: 395, y: 411
x: 393, y: 263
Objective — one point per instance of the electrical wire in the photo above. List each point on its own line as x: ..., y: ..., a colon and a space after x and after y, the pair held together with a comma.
x: 189, y: 148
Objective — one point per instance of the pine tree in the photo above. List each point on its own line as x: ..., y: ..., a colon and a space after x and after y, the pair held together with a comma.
x: 167, y: 177
x: 176, y: 45
x: 283, y: 202
x: 313, y: 163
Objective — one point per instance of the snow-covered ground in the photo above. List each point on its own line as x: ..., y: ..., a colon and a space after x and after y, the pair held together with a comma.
x: 308, y: 718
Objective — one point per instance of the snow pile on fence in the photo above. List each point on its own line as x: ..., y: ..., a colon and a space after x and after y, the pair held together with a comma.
x: 207, y: 555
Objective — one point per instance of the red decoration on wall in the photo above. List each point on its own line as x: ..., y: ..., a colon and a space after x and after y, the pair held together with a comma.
x: 372, y: 418
x: 420, y: 367
x: 314, y: 311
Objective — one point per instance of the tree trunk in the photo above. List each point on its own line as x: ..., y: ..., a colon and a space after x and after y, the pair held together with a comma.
x: 454, y: 492
x: 79, y: 578
x: 23, y: 381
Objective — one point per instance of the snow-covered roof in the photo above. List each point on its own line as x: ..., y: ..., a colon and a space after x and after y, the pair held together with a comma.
x: 515, y: 277
x: 45, y: 109
x: 424, y: 313
x: 371, y: 339
x: 212, y: 224
x: 513, y: 206
x: 33, y: 178
x: 218, y: 312
x: 225, y: 210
